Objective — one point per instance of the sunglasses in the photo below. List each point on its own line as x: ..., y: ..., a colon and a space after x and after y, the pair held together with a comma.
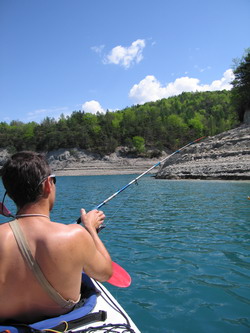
x: 53, y: 177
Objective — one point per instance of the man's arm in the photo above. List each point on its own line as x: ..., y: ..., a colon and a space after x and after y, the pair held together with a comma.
x: 95, y: 259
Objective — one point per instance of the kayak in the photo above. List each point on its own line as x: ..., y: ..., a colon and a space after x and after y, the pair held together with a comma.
x: 117, y: 320
x: 97, y: 311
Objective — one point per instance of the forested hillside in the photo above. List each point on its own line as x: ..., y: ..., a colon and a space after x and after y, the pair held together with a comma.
x: 164, y: 124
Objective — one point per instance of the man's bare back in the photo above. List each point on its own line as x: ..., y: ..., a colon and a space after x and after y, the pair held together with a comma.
x: 62, y: 252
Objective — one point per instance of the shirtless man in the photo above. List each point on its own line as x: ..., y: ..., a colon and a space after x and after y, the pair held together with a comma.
x: 61, y: 251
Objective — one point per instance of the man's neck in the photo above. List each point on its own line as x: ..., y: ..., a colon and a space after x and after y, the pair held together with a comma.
x: 35, y: 209
x: 32, y: 215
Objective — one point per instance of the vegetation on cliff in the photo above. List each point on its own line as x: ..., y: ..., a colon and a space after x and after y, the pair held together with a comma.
x: 241, y: 84
x: 164, y: 124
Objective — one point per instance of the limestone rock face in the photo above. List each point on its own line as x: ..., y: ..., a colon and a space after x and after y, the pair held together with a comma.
x: 223, y: 156
x: 76, y: 162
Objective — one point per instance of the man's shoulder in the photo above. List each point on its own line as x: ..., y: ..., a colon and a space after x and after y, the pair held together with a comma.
x: 66, y: 238
x: 68, y: 230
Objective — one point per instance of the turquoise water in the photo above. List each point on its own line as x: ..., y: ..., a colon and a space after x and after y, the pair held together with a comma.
x: 185, y: 244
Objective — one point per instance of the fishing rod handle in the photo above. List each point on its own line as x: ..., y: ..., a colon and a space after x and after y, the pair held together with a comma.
x: 78, y: 221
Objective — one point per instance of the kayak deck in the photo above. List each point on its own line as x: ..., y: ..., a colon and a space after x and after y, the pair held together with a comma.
x: 117, y: 319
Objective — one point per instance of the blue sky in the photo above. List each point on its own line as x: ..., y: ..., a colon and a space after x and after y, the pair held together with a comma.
x: 57, y: 56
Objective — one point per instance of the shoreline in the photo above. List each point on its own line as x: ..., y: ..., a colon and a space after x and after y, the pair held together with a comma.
x: 103, y: 171
x: 95, y: 171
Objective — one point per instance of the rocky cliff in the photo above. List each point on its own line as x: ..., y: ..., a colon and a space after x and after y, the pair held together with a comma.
x: 224, y: 156
x: 75, y: 162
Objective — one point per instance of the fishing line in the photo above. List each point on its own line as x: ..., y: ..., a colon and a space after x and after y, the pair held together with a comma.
x: 131, y: 192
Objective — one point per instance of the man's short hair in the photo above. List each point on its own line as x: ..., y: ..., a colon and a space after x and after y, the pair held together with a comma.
x: 22, y: 175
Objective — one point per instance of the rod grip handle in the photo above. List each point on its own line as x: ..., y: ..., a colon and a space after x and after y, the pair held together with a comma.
x: 78, y: 221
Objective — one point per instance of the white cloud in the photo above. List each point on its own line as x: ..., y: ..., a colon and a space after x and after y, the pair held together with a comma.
x: 38, y: 112
x: 201, y: 70
x: 150, y: 89
x: 126, y: 56
x: 92, y: 107
x: 98, y: 49
x: 53, y: 112
x: 224, y: 82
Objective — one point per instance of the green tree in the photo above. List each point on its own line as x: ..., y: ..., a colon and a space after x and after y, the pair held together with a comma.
x: 241, y: 85
x: 176, y: 127
x: 139, y: 144
x: 196, y: 123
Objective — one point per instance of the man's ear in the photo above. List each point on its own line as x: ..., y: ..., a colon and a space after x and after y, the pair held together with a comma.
x: 47, y: 186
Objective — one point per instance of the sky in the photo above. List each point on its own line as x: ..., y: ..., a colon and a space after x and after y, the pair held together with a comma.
x: 60, y: 56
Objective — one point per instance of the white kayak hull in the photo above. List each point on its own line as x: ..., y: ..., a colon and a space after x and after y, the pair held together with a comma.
x: 116, y: 315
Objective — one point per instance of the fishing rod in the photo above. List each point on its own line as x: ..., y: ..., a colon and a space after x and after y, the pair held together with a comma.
x: 141, y: 175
